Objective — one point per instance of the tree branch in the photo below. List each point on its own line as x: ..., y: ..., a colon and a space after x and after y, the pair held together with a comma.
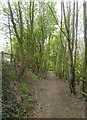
x: 12, y: 20
x: 57, y: 21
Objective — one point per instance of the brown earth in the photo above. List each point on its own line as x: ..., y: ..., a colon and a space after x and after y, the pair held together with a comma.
x: 53, y: 99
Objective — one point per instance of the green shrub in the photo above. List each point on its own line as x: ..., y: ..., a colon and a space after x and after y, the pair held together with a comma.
x: 33, y: 76
x: 23, y: 88
x: 25, y: 105
x: 7, y: 71
x: 30, y: 75
x: 8, y: 99
x: 11, y: 107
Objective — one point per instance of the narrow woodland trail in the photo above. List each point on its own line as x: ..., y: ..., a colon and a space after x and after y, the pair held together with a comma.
x: 53, y: 100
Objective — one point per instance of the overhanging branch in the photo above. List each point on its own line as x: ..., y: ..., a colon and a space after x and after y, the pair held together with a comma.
x: 57, y: 21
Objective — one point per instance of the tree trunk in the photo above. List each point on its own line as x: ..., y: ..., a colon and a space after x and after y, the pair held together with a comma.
x: 72, y: 67
x: 85, y: 38
x: 72, y: 80
x: 85, y: 41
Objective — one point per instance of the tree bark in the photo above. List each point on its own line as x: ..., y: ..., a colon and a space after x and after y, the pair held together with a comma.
x: 19, y: 36
x: 85, y: 38
x: 72, y: 68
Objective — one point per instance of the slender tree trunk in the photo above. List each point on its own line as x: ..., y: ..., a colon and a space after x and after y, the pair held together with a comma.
x: 19, y: 36
x: 85, y: 38
x: 72, y: 68
x: 85, y: 41
x: 10, y: 38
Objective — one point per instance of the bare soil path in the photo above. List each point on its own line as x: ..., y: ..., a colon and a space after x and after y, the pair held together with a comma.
x: 53, y: 100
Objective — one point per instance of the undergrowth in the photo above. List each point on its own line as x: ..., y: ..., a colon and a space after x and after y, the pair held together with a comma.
x: 28, y: 74
x: 16, y: 100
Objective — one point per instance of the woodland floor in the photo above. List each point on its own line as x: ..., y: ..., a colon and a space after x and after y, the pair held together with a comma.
x: 53, y: 100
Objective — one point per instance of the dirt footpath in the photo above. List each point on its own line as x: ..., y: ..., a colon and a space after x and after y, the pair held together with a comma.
x: 53, y: 100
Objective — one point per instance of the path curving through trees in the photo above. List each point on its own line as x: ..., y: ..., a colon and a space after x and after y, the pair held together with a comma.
x: 53, y: 100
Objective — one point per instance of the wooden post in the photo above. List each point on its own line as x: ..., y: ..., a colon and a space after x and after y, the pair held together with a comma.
x: 2, y: 58
x: 83, y: 86
x: 86, y: 107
